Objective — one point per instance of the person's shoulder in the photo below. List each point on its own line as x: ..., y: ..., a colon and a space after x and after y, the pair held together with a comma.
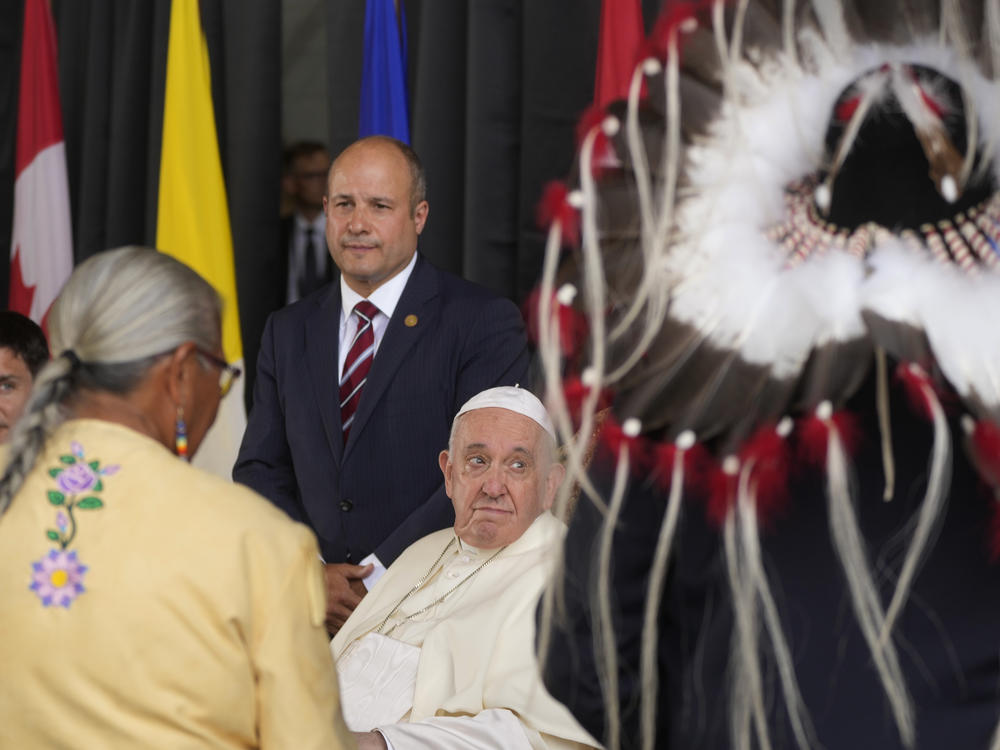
x: 454, y: 287
x: 326, y: 297
x: 470, y: 304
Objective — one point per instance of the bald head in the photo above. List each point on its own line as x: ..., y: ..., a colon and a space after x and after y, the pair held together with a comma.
x: 372, y: 143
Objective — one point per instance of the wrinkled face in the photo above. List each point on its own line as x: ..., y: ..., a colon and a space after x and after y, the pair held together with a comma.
x: 500, y: 476
x: 15, y: 387
x: 370, y: 229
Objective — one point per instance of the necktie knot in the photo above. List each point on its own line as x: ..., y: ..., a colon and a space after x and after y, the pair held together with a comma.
x: 365, y: 310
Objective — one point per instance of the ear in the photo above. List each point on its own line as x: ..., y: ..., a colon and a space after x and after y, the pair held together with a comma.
x: 324, y: 204
x: 179, y: 374
x: 420, y: 215
x: 445, y: 464
x: 557, y: 472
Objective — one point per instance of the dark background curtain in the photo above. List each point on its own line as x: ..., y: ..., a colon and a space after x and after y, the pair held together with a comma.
x: 496, y: 87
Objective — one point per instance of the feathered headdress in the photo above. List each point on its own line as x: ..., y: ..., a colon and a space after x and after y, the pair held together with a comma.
x: 806, y: 192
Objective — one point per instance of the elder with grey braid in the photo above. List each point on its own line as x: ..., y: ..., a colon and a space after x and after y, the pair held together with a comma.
x: 146, y: 601
x: 119, y: 313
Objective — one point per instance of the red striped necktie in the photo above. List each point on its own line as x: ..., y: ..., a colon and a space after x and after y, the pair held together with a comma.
x: 358, y: 363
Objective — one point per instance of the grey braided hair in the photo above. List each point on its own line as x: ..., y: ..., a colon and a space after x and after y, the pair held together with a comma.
x: 120, y: 311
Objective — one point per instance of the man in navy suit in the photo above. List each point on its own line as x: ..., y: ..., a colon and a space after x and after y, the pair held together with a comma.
x: 369, y: 491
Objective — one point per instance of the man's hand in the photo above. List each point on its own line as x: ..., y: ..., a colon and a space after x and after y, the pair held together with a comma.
x: 344, y: 590
x: 370, y: 740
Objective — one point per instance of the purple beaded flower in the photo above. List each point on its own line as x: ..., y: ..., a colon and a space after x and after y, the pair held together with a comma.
x: 76, y: 478
x: 57, y: 578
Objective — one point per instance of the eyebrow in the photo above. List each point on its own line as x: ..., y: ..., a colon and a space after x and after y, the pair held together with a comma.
x: 482, y: 446
x: 369, y: 199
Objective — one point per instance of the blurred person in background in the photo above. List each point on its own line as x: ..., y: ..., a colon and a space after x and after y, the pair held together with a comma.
x: 23, y: 351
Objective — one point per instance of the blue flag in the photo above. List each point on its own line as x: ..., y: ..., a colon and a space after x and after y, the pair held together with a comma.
x: 384, y: 99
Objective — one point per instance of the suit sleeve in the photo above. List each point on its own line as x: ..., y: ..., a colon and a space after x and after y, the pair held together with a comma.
x: 495, y: 352
x: 264, y: 462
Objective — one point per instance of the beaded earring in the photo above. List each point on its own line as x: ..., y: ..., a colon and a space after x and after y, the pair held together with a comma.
x: 180, y: 435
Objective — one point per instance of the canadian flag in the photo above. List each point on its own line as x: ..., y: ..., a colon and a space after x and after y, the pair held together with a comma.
x: 42, y: 245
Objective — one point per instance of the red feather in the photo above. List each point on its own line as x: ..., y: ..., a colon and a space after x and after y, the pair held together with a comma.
x: 604, y: 151
x: 554, y: 206
x: 697, y: 466
x: 931, y: 103
x: 814, y: 433
x: 575, y: 393
x: 916, y: 383
x: 985, y: 444
x: 573, y: 325
x: 938, y: 108
x: 847, y: 108
x: 676, y: 17
x: 721, y: 494
x: 613, y: 437
x: 769, y: 451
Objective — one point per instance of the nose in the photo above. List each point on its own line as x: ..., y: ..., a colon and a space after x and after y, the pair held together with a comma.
x: 357, y: 222
x: 493, y: 483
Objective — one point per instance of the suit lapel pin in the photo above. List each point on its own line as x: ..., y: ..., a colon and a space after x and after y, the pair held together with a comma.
x: 410, y: 320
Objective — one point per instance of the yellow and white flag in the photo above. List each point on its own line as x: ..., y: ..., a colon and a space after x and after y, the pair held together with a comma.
x: 192, y: 221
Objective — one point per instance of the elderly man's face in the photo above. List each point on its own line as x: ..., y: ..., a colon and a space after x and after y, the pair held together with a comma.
x: 15, y: 387
x: 500, y: 476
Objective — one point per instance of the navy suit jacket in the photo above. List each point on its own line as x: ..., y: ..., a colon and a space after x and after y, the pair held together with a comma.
x: 383, y: 490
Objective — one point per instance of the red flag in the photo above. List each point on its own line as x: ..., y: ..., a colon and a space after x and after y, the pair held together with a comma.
x: 621, y: 38
x: 41, y: 246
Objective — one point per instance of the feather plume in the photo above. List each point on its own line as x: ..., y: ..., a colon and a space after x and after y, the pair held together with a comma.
x: 803, y: 184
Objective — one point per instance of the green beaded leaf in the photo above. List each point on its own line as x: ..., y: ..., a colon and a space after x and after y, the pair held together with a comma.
x: 53, y: 535
x: 67, y: 459
x: 56, y: 498
x: 95, y: 465
x: 91, y: 502
x: 99, y: 486
x: 55, y: 472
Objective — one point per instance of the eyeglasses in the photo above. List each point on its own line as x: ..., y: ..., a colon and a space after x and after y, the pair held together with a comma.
x: 227, y: 372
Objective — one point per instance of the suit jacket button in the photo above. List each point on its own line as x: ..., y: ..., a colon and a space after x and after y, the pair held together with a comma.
x: 346, y: 505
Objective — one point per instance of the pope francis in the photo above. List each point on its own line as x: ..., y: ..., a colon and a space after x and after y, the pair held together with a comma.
x: 441, y: 652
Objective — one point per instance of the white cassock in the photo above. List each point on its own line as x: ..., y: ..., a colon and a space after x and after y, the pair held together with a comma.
x: 463, y: 673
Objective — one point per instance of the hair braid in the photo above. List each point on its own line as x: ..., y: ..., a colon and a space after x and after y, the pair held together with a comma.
x: 43, y: 413
x: 120, y: 311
